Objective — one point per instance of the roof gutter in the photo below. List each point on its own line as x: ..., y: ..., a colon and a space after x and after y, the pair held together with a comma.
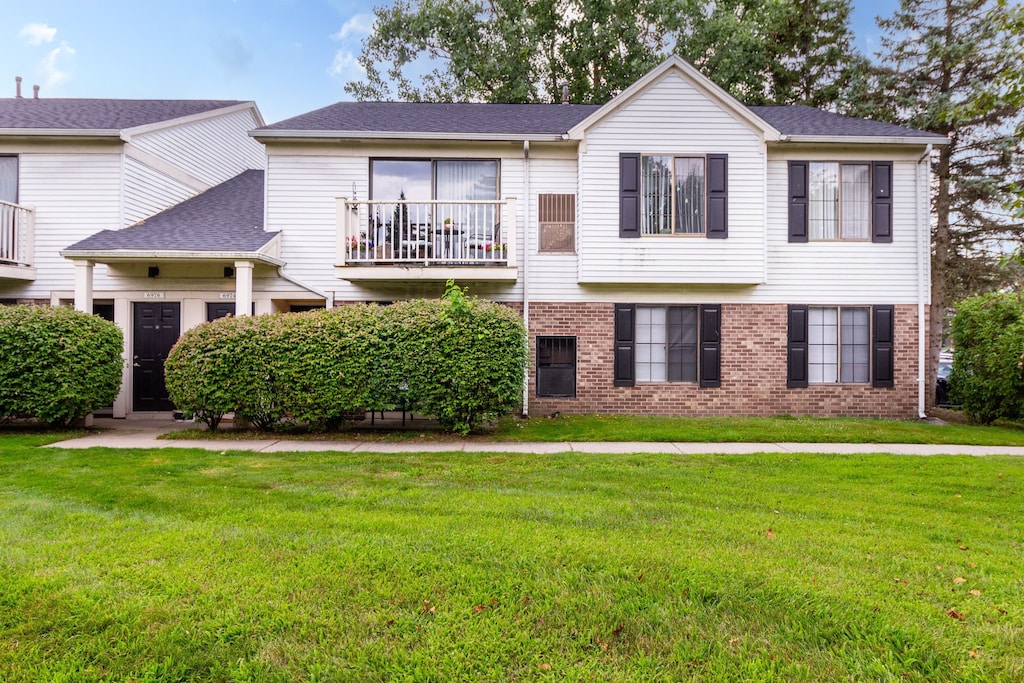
x: 334, y: 135
x: 866, y: 139
x: 109, y: 255
x: 100, y: 133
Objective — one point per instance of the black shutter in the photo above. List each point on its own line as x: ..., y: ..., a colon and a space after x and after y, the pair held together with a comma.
x: 883, y: 339
x: 718, y: 196
x: 881, y: 201
x: 798, y: 201
x: 796, y: 349
x: 625, y: 371
x: 629, y: 195
x: 710, y: 345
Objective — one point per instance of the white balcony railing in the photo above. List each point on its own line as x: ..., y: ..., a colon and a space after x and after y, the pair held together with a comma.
x: 17, y: 234
x: 426, y: 233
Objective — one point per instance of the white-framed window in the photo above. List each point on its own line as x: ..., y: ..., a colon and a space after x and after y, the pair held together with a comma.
x: 838, y: 344
x: 666, y: 343
x: 673, y: 191
x: 839, y: 200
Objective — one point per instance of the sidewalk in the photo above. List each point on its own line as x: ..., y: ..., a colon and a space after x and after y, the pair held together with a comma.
x: 144, y: 433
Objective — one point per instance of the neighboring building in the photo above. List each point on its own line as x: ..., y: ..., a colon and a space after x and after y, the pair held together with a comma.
x: 673, y: 251
x: 72, y: 167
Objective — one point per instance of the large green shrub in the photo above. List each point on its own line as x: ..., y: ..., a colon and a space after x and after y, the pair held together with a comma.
x: 988, y: 364
x: 462, y: 359
x: 56, y: 364
x: 459, y: 359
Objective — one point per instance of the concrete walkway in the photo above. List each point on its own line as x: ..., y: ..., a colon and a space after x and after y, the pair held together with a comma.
x: 144, y: 433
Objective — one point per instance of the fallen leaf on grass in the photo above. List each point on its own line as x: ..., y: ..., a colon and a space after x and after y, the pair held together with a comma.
x: 770, y: 533
x: 975, y: 592
x: 545, y: 666
x: 427, y: 607
x: 938, y: 566
x: 959, y: 579
x: 974, y: 654
x: 478, y: 608
x: 972, y: 565
x: 962, y: 547
x: 956, y: 615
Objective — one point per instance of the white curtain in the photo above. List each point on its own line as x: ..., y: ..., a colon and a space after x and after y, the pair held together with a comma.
x: 9, y: 179
x: 856, y: 201
x: 823, y: 204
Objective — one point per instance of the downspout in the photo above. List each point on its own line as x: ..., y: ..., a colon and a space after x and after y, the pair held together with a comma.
x: 526, y: 271
x: 922, y: 288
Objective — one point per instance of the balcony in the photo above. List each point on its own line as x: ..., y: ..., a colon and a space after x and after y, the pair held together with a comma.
x: 17, y: 242
x: 427, y: 240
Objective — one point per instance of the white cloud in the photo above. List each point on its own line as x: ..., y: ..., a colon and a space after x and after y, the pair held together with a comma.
x: 358, y: 25
x: 345, y: 65
x: 37, y: 34
x: 52, y: 75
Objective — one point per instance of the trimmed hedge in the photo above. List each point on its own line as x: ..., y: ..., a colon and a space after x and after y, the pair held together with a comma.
x: 56, y: 364
x: 988, y: 364
x: 459, y: 359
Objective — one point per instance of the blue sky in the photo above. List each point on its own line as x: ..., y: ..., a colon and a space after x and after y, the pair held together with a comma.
x: 290, y: 56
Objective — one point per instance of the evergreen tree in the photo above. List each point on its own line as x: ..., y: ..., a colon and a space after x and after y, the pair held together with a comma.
x: 955, y: 67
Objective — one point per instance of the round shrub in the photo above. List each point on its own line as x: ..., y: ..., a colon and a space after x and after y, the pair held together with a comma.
x: 988, y: 363
x: 57, y: 364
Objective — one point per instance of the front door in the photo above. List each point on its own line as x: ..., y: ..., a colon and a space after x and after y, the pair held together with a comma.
x: 157, y: 327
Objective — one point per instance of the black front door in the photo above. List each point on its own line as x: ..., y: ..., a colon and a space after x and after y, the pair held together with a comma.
x: 219, y: 310
x: 156, y: 329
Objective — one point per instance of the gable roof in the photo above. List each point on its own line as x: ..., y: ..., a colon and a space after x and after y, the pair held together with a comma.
x: 802, y: 120
x: 427, y: 119
x: 225, y: 218
x: 97, y: 115
x: 465, y: 121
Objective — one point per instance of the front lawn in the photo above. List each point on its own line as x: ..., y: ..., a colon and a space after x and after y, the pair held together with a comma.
x: 184, y: 565
x: 651, y: 428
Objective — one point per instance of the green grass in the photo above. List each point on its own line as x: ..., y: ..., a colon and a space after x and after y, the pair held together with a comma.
x: 185, y: 565
x: 649, y: 428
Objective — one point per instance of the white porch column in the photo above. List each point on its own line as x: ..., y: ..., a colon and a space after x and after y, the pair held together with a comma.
x: 243, y: 288
x: 83, y: 286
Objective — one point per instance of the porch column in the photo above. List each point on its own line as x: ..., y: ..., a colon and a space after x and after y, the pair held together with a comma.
x: 243, y: 288
x: 83, y: 286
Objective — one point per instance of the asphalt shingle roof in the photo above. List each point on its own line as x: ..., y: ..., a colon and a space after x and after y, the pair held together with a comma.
x: 98, y: 114
x: 436, y: 117
x: 799, y: 119
x: 548, y: 119
x: 228, y: 217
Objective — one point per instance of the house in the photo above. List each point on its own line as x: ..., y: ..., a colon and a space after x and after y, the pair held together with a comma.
x: 672, y: 252
x: 99, y: 174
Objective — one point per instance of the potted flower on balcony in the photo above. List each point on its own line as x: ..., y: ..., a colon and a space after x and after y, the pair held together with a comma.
x: 495, y: 250
x: 361, y: 245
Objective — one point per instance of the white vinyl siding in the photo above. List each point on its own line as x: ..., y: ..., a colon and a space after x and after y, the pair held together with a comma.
x: 75, y: 196
x: 211, y: 150
x: 301, y: 203
x: 148, y: 192
x: 671, y: 118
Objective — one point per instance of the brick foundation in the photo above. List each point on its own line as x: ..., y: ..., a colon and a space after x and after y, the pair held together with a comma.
x: 753, y: 370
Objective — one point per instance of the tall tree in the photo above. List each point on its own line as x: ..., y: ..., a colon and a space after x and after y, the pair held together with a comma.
x: 509, y: 50
x: 771, y: 52
x: 761, y: 51
x: 955, y: 67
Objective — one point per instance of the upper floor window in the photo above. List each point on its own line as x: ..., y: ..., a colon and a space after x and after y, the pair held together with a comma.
x: 9, y: 179
x: 423, y: 179
x: 673, y: 195
x: 831, y: 200
x: 662, y: 194
x: 840, y: 201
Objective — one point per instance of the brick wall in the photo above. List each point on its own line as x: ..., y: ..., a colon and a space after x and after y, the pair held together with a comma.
x: 753, y: 370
